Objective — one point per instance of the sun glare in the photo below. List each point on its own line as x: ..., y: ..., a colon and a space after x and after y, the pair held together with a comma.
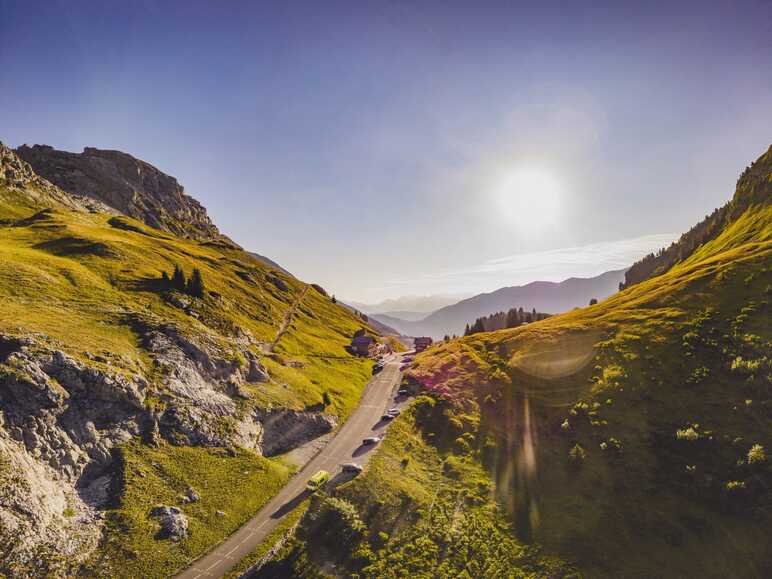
x: 528, y: 198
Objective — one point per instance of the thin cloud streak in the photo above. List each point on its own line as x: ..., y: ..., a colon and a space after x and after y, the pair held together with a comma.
x: 550, y: 265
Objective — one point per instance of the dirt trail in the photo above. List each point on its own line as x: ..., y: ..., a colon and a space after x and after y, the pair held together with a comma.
x: 287, y: 320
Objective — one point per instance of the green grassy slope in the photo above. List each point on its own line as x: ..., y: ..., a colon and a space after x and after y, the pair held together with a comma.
x: 78, y: 278
x: 82, y: 281
x: 625, y: 439
x: 650, y: 414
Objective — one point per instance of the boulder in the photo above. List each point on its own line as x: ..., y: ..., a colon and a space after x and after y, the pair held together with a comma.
x: 174, y: 524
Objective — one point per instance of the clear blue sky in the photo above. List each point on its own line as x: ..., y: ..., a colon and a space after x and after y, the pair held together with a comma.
x: 385, y: 148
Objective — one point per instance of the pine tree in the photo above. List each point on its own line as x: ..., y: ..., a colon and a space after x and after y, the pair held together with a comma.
x: 195, y: 286
x: 178, y: 279
x: 334, y: 300
x: 165, y: 281
x: 466, y: 330
x: 512, y: 320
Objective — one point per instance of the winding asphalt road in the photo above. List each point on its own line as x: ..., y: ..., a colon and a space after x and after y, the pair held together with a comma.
x: 346, y: 446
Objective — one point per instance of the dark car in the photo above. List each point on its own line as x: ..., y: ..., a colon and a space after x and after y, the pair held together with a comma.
x: 388, y: 416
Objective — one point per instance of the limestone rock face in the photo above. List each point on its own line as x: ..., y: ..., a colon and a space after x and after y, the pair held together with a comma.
x: 284, y: 429
x: 133, y: 187
x: 17, y: 175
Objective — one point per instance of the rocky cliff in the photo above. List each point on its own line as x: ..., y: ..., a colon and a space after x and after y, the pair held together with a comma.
x: 23, y: 186
x: 130, y: 185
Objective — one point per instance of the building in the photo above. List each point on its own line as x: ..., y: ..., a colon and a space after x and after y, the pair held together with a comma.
x: 360, y: 345
x: 420, y: 344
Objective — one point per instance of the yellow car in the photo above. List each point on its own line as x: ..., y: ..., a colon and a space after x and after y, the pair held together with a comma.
x: 318, y: 481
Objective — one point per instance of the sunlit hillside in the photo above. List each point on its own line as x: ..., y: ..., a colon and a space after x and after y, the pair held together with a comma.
x: 111, y: 370
x: 625, y: 439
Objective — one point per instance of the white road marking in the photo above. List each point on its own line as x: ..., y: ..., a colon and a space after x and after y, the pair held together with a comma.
x: 330, y: 455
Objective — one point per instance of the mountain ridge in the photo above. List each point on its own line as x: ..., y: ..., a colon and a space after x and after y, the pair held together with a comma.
x: 130, y: 185
x: 549, y: 297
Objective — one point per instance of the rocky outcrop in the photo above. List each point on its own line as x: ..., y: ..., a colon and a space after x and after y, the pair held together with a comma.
x: 133, y: 187
x: 66, y: 414
x: 17, y: 175
x: 62, y: 418
x: 174, y: 524
x: 59, y: 421
x: 284, y: 430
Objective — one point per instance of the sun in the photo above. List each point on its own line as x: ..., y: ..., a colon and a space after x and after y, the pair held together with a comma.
x: 529, y: 198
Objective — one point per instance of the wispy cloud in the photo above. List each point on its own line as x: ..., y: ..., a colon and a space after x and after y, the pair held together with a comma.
x: 551, y: 265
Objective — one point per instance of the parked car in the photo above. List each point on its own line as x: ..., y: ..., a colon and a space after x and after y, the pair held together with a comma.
x: 403, y: 392
x: 394, y: 412
x: 371, y: 440
x: 318, y: 481
x: 387, y: 416
x: 351, y: 467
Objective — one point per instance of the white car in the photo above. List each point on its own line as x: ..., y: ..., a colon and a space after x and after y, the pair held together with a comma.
x: 394, y: 412
x: 351, y: 467
x: 371, y: 440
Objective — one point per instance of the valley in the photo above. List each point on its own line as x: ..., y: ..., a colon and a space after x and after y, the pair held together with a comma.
x: 147, y: 416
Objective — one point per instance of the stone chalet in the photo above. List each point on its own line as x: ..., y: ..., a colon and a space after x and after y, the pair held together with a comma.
x: 360, y: 345
x: 421, y: 343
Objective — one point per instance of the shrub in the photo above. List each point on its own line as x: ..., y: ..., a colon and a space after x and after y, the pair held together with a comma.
x: 735, y: 485
x: 698, y: 375
x: 337, y: 520
x: 577, y: 453
x: 756, y: 454
x: 689, y: 433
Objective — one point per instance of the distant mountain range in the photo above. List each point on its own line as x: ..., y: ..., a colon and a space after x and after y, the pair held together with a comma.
x: 407, y: 307
x: 545, y: 296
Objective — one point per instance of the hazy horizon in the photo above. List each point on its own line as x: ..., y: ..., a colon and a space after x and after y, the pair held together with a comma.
x: 408, y: 149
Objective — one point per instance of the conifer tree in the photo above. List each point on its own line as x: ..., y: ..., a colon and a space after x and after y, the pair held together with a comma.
x: 195, y: 286
x: 512, y: 320
x: 178, y: 279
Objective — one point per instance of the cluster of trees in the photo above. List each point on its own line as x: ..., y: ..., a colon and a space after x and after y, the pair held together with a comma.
x: 510, y: 319
x: 658, y: 263
x: 193, y: 286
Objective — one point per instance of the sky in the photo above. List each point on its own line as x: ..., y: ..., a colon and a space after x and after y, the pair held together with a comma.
x: 407, y: 148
